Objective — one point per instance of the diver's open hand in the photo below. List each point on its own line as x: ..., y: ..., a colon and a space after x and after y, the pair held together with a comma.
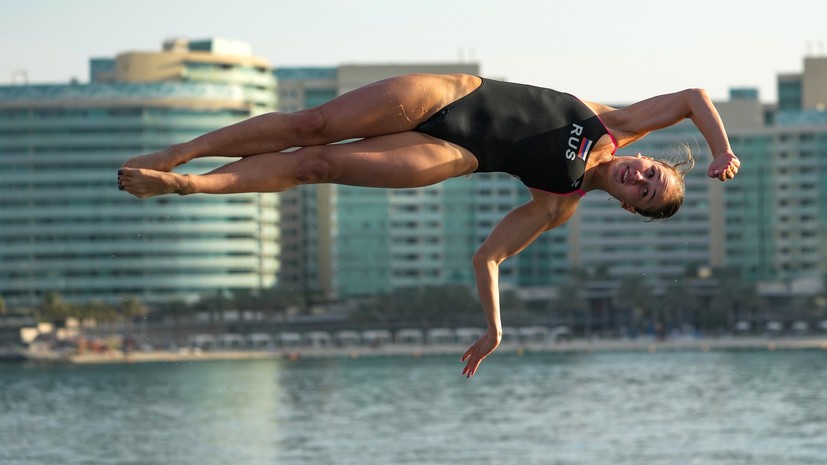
x: 724, y: 166
x: 478, y: 351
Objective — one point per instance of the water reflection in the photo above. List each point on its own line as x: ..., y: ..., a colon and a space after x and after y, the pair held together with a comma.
x: 624, y: 408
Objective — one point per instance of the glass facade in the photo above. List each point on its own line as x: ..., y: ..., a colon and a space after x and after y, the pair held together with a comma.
x: 404, y: 238
x: 790, y: 93
x: 777, y: 233
x: 67, y: 228
x: 767, y: 225
x: 308, y: 224
x: 301, y: 88
x: 750, y: 210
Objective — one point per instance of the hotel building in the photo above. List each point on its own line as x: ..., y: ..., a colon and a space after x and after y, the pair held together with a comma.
x: 67, y: 228
x: 766, y: 226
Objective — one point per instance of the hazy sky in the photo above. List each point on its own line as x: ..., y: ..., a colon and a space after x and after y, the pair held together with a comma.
x: 609, y: 51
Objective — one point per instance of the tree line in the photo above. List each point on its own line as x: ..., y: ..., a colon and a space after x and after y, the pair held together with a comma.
x: 586, y: 301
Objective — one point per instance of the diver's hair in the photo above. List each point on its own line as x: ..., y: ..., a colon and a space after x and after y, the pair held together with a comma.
x: 678, y: 165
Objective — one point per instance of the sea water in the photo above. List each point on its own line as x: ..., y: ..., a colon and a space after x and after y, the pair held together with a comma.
x: 709, y: 408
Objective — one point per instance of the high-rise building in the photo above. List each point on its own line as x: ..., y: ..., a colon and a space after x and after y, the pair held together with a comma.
x: 382, y: 240
x: 766, y: 225
x: 67, y: 228
x: 776, y: 215
x: 390, y: 239
x: 806, y: 90
x: 340, y: 241
x: 349, y: 241
x: 305, y: 211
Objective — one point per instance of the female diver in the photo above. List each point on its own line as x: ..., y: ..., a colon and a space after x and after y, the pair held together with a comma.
x: 420, y: 129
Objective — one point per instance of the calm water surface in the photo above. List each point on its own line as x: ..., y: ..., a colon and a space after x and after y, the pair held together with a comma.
x: 613, y: 408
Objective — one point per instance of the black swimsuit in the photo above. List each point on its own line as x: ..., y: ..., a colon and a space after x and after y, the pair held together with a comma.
x: 541, y: 136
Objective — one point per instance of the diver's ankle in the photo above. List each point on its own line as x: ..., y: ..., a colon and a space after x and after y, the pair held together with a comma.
x: 184, y: 184
x: 180, y: 153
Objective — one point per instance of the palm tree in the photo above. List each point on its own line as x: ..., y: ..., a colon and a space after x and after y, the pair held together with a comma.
x: 244, y: 300
x: 424, y: 306
x: 100, y: 311
x: 731, y: 299
x: 634, y: 295
x: 176, y: 308
x: 132, y: 308
x: 570, y: 301
x: 454, y: 303
x: 215, y: 305
x: 276, y: 300
x: 54, y: 309
x: 678, y: 301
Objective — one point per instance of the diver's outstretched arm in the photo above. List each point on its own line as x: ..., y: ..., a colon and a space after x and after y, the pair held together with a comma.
x: 511, y: 235
x: 632, y: 123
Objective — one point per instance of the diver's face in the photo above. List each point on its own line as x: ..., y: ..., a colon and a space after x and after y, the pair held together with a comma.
x: 639, y: 182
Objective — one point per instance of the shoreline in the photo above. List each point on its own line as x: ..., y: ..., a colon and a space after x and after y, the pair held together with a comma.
x: 414, y: 350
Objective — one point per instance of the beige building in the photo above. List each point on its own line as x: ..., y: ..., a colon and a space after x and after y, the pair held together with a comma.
x: 217, y: 61
x: 354, y: 76
x: 814, y: 84
x: 806, y: 90
x: 170, y: 63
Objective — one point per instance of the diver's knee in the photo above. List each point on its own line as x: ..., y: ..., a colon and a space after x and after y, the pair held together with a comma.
x: 309, y: 125
x: 314, y: 169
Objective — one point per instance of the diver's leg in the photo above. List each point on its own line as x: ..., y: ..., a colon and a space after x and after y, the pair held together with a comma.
x: 386, y: 107
x: 400, y: 160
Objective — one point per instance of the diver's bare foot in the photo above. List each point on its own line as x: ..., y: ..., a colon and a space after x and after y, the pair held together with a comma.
x: 143, y: 183
x: 164, y: 160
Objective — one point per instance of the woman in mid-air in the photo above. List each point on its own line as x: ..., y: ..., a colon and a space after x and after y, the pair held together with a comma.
x: 421, y: 129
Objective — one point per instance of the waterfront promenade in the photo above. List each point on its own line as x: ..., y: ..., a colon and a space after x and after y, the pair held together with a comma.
x: 417, y: 350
